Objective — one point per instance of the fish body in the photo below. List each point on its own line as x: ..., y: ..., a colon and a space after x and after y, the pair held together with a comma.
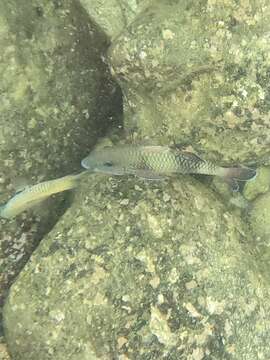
x: 155, y: 162
x: 32, y: 195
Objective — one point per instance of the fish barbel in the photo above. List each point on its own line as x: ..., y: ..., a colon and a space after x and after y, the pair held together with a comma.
x: 157, y: 162
x: 32, y: 195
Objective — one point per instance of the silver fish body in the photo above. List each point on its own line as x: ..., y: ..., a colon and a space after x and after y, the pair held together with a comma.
x: 35, y: 194
x: 156, y: 162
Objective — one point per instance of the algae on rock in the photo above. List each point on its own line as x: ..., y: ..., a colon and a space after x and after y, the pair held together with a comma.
x: 142, y: 269
x: 138, y: 270
x: 259, y: 221
x: 259, y: 185
x: 53, y: 83
x: 198, y: 72
x: 113, y: 15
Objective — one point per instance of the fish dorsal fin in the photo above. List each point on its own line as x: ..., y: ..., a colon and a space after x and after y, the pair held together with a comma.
x: 190, y: 156
x: 156, y: 148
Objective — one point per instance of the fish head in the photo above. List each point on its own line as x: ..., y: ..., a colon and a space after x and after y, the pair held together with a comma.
x: 105, y: 161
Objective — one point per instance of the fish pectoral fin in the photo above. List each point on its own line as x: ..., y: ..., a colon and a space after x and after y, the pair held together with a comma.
x: 38, y: 202
x: 110, y: 170
x: 148, y: 175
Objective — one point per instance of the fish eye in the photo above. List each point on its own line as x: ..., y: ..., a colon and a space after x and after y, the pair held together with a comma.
x: 108, y: 163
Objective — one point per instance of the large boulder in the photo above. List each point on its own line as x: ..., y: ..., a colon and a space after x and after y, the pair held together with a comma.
x: 197, y: 73
x: 140, y: 270
x: 53, y: 82
x: 113, y: 15
x: 259, y: 220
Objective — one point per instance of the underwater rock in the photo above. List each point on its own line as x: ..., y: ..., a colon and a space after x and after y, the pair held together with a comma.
x: 140, y: 270
x: 260, y: 185
x: 260, y: 216
x: 259, y: 221
x: 3, y: 350
x: 53, y: 82
x: 112, y: 15
x: 198, y: 73
x: 57, y: 96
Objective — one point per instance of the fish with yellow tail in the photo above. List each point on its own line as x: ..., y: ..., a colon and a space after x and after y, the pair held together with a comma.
x: 157, y: 162
x: 33, y: 195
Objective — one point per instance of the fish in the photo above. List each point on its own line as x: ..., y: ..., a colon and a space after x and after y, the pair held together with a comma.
x: 159, y: 162
x: 35, y: 194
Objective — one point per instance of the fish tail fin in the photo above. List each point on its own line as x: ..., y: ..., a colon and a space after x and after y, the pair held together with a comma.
x: 234, y: 174
x: 239, y: 173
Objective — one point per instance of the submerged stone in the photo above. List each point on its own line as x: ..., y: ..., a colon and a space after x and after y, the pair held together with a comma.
x: 197, y: 73
x: 53, y: 82
x: 259, y: 216
x: 260, y: 185
x: 259, y: 221
x: 112, y: 15
x: 131, y: 273
x: 152, y: 270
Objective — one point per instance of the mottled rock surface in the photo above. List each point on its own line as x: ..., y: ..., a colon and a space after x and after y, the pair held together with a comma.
x: 4, y: 355
x: 260, y: 185
x: 53, y: 84
x: 259, y: 219
x: 53, y: 81
x: 137, y: 270
x: 113, y: 15
x: 197, y: 72
x: 141, y: 270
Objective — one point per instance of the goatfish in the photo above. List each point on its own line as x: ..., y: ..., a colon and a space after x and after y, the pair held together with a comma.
x: 157, y: 162
x: 33, y: 195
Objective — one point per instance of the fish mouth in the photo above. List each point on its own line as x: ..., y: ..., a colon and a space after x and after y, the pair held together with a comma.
x: 84, y: 164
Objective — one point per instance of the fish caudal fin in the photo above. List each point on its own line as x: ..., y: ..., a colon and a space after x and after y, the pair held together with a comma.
x: 234, y: 174
x: 240, y: 173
